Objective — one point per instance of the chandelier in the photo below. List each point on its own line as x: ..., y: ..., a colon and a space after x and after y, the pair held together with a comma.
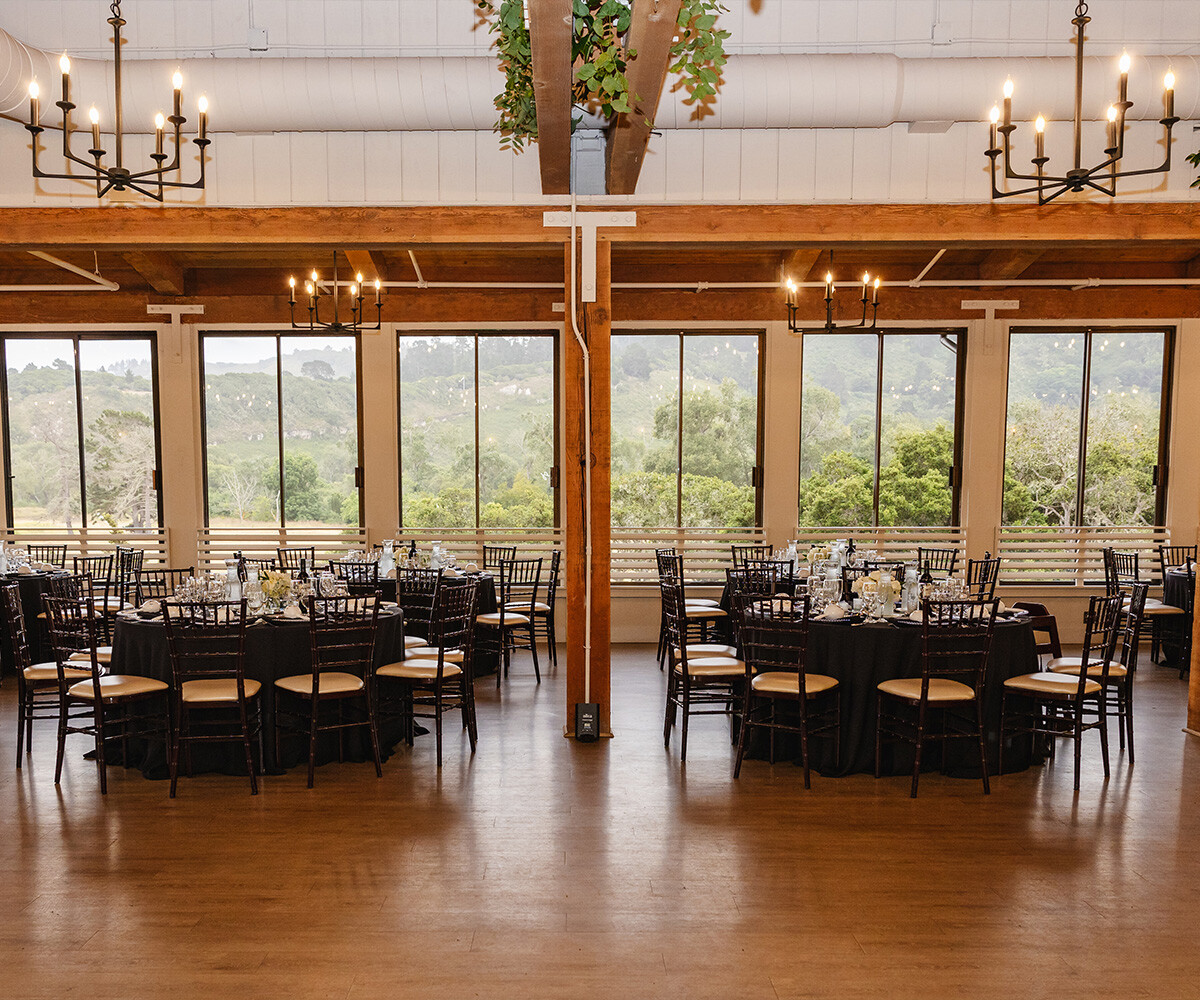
x: 313, y: 292
x: 1104, y: 175
x: 870, y: 296
x: 153, y: 180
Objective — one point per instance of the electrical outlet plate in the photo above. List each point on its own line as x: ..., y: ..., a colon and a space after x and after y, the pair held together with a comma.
x: 256, y: 39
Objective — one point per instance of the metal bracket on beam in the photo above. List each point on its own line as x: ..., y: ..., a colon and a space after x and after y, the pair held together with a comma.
x: 990, y: 330
x: 176, y: 312
x: 589, y: 222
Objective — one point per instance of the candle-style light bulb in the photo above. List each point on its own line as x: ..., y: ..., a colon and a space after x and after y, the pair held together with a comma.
x: 353, y: 290
x: 1008, y: 92
x: 34, y: 90
x: 314, y: 277
x: 64, y: 64
x: 1124, y: 63
x: 94, y: 115
x: 177, y: 84
x: 1169, y: 87
x: 1040, y: 124
x: 791, y: 291
x: 875, y: 297
x: 994, y: 118
x: 1039, y: 128
x: 292, y: 283
x: 1111, y: 114
x: 358, y: 277
x: 378, y: 286
x: 202, y: 128
x: 177, y: 80
x: 1008, y: 88
x: 1123, y: 87
x: 159, y: 122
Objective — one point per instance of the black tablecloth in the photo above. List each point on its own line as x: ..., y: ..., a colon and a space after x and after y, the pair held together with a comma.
x: 1175, y: 588
x: 861, y: 656
x: 273, y: 649
x: 1175, y: 593
x: 32, y: 586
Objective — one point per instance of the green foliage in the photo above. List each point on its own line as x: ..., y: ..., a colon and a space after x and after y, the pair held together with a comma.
x: 1194, y: 160
x: 600, y: 58
x: 648, y: 500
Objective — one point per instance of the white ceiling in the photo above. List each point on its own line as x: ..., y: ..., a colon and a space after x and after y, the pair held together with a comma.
x: 911, y: 28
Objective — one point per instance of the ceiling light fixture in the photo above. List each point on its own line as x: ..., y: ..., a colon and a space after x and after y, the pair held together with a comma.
x: 314, y: 295
x: 870, y: 296
x: 1103, y: 176
x: 151, y: 182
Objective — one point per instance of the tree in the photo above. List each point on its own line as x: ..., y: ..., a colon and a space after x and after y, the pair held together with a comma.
x: 320, y: 370
x: 305, y: 494
x: 119, y: 450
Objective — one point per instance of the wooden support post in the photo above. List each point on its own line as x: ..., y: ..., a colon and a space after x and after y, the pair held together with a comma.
x: 594, y: 319
x: 1193, y: 711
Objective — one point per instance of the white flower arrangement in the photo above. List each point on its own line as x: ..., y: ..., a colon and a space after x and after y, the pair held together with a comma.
x: 867, y: 585
x: 276, y: 585
x: 818, y: 553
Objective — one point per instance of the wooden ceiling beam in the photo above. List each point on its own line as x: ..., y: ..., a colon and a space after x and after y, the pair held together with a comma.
x: 1002, y: 264
x: 163, y: 272
x: 652, y: 31
x: 550, y: 26
x: 368, y: 263
x: 798, y: 264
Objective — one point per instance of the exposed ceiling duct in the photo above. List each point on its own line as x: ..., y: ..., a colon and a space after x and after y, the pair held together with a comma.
x: 455, y: 93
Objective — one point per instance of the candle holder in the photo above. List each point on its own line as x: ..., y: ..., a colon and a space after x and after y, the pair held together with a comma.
x: 151, y: 182
x: 870, y: 298
x: 1104, y: 175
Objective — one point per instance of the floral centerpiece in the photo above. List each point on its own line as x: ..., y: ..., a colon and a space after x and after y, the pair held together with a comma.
x: 818, y: 553
x: 276, y: 586
x: 867, y: 586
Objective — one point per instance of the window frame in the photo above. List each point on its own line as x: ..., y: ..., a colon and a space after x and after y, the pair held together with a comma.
x: 553, y: 335
x: 1161, y: 470
x: 756, y: 472
x: 76, y: 338
x: 279, y: 336
x: 960, y: 392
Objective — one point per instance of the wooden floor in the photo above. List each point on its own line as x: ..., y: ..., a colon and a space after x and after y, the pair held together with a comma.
x: 543, y: 868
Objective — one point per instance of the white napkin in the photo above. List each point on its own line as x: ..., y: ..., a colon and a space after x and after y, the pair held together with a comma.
x: 391, y: 574
x: 1001, y: 607
x: 834, y: 611
x: 25, y: 570
x: 45, y: 567
x: 450, y: 574
x: 151, y: 607
x: 472, y: 568
x: 918, y: 615
x: 292, y: 611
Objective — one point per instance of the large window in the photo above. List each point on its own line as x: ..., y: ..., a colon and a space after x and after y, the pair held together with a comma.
x: 79, y: 415
x: 1086, y: 427
x: 879, y: 437
x: 477, y: 430
x: 272, y: 403
x: 685, y: 458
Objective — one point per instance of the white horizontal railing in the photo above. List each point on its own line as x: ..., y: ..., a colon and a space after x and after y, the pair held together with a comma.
x: 899, y: 543
x: 1075, y: 556
x: 706, y: 552
x: 95, y: 541
x: 215, y: 545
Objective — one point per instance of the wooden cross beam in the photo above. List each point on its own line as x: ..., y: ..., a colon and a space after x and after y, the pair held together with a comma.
x: 550, y: 26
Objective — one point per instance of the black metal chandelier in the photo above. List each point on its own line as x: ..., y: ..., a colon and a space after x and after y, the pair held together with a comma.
x: 1103, y: 176
x: 152, y: 182
x: 870, y: 296
x: 334, y: 324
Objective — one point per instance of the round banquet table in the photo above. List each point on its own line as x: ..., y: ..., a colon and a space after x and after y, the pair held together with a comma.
x: 861, y: 656
x: 32, y: 586
x: 1176, y: 584
x: 274, y: 648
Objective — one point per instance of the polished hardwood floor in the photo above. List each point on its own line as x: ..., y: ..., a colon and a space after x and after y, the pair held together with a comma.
x: 543, y: 868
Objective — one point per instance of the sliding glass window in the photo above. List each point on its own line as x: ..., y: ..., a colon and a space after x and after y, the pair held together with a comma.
x: 879, y: 439
x: 1086, y: 439
x: 80, y: 420
x: 275, y: 402
x: 687, y: 458
x: 477, y: 430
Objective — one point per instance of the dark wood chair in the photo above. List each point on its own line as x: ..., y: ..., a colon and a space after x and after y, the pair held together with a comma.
x: 743, y: 552
x: 416, y: 593
x: 37, y: 683
x: 207, y: 644
x: 774, y: 636
x: 849, y: 575
x: 159, y: 584
x: 510, y: 627
x: 101, y: 705
x: 1119, y: 676
x: 939, y: 562
x: 1042, y: 621
x: 755, y: 580
x: 106, y: 591
x: 895, y: 568
x: 696, y: 685
x: 982, y: 575
x: 1062, y: 706
x: 1121, y: 574
x: 494, y: 555
x: 300, y: 559
x: 342, y: 639
x: 703, y: 614
x: 956, y: 639
x: 249, y: 567
x: 543, y: 611
x: 361, y: 578
x: 55, y: 555
x: 127, y: 563
x: 438, y: 679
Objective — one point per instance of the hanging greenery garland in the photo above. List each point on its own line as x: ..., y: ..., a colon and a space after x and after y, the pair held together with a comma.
x: 600, y: 59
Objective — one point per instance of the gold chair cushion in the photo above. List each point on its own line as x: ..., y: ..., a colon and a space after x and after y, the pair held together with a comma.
x: 412, y: 641
x: 704, y: 611
x: 1157, y: 609
x: 216, y: 691
x: 1071, y: 665
x: 103, y: 655
x: 697, y: 649
x: 783, y: 682
x: 333, y: 682
x: 713, y: 666
x: 117, y: 686
x: 431, y: 653
x: 524, y: 606
x: 509, y: 619
x: 1048, y: 684
x: 41, y: 672
x: 702, y: 602
x: 942, y: 690
x: 417, y: 670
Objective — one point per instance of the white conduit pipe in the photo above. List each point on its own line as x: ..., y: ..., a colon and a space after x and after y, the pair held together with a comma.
x: 431, y: 93
x: 587, y: 471
x: 702, y: 286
